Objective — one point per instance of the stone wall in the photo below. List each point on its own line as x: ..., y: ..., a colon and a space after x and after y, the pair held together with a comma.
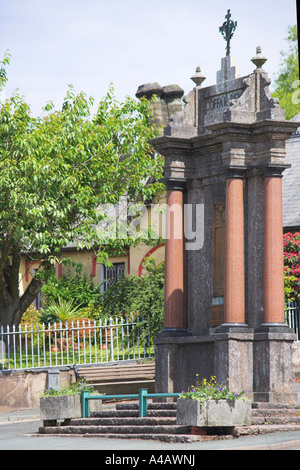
x: 20, y: 390
x: 296, y: 359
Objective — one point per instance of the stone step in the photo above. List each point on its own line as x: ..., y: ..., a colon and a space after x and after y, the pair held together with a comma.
x: 173, y: 406
x: 150, y: 406
x: 264, y: 429
x: 121, y: 421
x: 133, y: 414
x: 277, y: 406
x: 275, y: 414
x: 275, y: 420
x: 94, y: 429
x: 268, y: 413
x: 170, y: 438
x: 262, y: 413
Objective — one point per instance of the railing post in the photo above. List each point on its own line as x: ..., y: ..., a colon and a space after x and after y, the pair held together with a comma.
x: 2, y: 345
x: 111, y: 339
x: 84, y: 405
x: 143, y: 402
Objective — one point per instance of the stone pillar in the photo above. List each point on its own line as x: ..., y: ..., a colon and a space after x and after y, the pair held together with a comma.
x: 273, y: 375
x: 273, y: 251
x: 175, y: 309
x: 234, y: 295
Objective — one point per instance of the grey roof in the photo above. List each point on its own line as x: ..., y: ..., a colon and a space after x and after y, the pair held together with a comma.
x: 291, y: 181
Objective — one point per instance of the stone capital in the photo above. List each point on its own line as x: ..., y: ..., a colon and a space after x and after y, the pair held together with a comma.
x: 274, y: 170
x: 174, y: 184
x: 236, y: 172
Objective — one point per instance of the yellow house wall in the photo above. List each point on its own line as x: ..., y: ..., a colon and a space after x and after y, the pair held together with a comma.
x: 137, y: 254
x: 85, y: 258
x: 157, y: 221
x: 82, y: 257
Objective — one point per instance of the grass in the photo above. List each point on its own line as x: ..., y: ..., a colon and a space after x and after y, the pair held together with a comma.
x: 34, y: 348
x: 88, y: 355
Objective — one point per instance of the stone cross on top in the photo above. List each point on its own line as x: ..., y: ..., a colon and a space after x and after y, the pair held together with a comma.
x: 227, y: 30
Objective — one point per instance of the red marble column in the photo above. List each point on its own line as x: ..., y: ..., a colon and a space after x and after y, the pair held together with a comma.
x: 234, y: 295
x: 273, y: 252
x: 175, y: 311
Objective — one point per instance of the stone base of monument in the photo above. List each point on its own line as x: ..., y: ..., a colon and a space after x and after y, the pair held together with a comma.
x: 259, y: 362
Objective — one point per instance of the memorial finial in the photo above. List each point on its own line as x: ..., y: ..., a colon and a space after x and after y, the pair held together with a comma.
x: 259, y: 59
x: 227, y: 30
x: 198, y: 77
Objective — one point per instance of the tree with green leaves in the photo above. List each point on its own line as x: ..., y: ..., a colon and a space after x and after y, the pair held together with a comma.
x: 56, y: 171
x: 287, y: 81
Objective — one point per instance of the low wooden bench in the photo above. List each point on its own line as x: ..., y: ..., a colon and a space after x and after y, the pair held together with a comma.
x: 126, y: 374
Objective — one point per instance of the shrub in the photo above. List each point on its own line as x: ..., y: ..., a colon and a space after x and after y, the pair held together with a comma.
x: 81, y: 290
x: 140, y: 296
x: 73, y: 389
x: 31, y: 316
x: 291, y: 243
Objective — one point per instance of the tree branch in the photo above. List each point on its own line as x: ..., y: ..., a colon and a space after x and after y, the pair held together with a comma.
x: 13, y: 280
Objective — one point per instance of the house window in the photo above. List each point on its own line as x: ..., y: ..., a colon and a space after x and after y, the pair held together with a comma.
x: 113, y: 273
x: 38, y: 300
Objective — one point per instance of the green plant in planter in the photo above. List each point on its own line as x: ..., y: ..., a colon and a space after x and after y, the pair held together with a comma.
x: 73, y: 389
x: 211, y: 390
x: 211, y: 404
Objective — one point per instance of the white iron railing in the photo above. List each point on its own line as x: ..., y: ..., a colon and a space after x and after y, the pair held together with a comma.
x: 78, y: 342
x: 292, y: 317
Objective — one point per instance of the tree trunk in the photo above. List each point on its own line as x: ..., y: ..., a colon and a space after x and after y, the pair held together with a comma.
x: 12, y: 308
x: 9, y: 313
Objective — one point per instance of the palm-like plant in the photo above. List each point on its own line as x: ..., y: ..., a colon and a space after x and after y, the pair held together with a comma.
x: 63, y: 309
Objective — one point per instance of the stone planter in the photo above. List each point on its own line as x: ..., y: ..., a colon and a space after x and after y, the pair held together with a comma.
x: 213, y: 413
x: 59, y: 408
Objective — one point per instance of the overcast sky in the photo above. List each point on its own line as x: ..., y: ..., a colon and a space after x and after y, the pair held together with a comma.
x: 92, y: 43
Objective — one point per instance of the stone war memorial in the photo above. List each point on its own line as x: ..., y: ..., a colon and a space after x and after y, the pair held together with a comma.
x: 224, y: 298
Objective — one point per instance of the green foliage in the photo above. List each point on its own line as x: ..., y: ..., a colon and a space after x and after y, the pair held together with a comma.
x: 210, y: 390
x: 55, y: 173
x: 72, y: 389
x: 63, y: 310
x: 141, y: 296
x: 137, y: 296
x: 31, y: 316
x: 85, y: 297
x: 78, y: 288
x: 3, y: 74
x: 288, y: 78
x: 291, y: 243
